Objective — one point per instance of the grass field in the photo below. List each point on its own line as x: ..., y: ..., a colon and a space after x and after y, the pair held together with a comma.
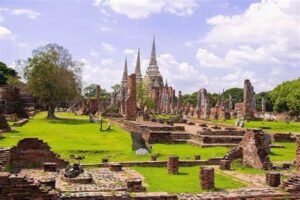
x: 275, y: 126
x: 76, y: 135
x: 158, y: 179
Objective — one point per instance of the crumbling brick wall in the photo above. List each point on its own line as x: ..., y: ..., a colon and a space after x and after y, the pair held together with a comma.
x: 19, y: 187
x: 32, y: 152
x: 252, y: 149
x: 130, y: 102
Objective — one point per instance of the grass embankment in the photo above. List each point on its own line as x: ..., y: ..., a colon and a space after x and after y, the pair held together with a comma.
x: 275, y: 126
x: 158, y: 179
x: 72, y: 134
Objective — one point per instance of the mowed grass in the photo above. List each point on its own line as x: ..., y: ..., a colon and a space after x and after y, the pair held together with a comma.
x: 288, y: 153
x: 72, y: 134
x: 275, y: 126
x: 157, y: 179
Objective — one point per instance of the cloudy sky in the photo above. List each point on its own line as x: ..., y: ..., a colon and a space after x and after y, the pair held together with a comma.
x: 214, y: 44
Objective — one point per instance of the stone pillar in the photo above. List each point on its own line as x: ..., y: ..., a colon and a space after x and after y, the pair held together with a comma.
x: 224, y: 164
x: 298, y: 157
x: 173, y: 165
x: 230, y: 107
x: 273, y: 179
x: 263, y: 104
x: 178, y: 109
x: 248, y: 100
x: 130, y: 103
x: 207, y: 178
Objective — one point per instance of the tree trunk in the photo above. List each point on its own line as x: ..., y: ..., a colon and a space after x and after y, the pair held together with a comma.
x: 51, y: 109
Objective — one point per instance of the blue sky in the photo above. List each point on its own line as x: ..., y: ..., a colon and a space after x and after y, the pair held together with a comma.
x: 214, y: 44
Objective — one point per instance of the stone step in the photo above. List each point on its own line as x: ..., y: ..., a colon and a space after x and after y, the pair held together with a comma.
x: 180, y: 141
x: 221, y: 139
x: 222, y: 132
x: 200, y: 144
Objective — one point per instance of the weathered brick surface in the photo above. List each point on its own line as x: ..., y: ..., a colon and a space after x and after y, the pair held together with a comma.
x: 130, y: 102
x: 14, y: 187
x: 32, y: 152
x: 273, y: 179
x: 173, y: 165
x: 224, y: 164
x: 207, y: 178
x: 254, y: 150
x: 298, y: 157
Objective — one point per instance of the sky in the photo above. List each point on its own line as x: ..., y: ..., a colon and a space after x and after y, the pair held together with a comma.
x: 213, y: 44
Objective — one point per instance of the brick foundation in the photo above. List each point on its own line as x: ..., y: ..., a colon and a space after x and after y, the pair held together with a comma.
x: 50, y: 167
x: 135, y: 185
x: 173, y: 165
x: 273, y: 179
x: 115, y: 167
x: 207, y: 178
x: 224, y: 164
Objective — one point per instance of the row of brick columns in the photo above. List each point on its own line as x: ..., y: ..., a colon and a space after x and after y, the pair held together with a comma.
x: 207, y: 174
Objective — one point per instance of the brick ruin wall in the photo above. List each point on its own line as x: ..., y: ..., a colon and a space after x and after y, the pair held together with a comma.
x: 252, y: 149
x: 18, y: 187
x: 32, y: 152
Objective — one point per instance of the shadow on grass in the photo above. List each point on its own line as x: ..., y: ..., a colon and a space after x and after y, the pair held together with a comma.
x: 182, y: 174
x: 275, y: 154
x: 68, y: 121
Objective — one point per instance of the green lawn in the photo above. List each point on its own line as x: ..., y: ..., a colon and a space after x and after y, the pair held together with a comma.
x: 76, y: 135
x: 275, y: 126
x: 158, y: 180
x: 283, y: 154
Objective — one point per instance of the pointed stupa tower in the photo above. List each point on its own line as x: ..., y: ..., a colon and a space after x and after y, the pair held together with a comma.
x: 138, y: 73
x: 125, y: 75
x: 153, y: 76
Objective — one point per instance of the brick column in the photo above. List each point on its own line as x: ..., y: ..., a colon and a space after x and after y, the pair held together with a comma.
x: 224, y: 164
x: 173, y: 165
x: 207, y: 178
x: 273, y: 179
x: 115, y: 167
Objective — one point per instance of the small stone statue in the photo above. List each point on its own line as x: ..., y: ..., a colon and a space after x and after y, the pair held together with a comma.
x: 73, y: 171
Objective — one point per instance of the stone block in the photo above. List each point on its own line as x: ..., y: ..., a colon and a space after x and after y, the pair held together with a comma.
x: 115, y: 167
x: 197, y: 157
x: 273, y: 179
x: 173, y: 165
x: 207, y: 178
x: 224, y: 164
x: 50, y: 167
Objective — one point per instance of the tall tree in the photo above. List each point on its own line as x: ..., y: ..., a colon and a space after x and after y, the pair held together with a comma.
x: 286, y: 97
x: 53, y: 76
x: 6, y: 73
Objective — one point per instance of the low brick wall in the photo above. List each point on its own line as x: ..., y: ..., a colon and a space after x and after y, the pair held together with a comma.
x: 283, y: 137
x: 186, y: 163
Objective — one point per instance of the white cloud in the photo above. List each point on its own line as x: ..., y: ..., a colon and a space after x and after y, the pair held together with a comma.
x: 105, y: 29
x: 143, y: 8
x: 94, y: 53
x: 5, y: 33
x: 129, y: 51
x: 108, y: 47
x: 100, y: 74
x: 262, y: 43
x: 27, y: 12
x: 107, y: 62
x: 179, y: 74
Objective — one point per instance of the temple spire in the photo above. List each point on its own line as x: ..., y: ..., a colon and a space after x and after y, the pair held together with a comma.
x: 153, y: 54
x: 138, y: 73
x: 125, y: 74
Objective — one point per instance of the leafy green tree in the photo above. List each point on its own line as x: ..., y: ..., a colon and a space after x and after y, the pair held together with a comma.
x: 235, y: 93
x: 258, y: 99
x: 142, y: 96
x: 116, y: 88
x: 90, y: 90
x: 53, y: 76
x: 190, y: 98
x: 286, y: 97
x: 6, y: 73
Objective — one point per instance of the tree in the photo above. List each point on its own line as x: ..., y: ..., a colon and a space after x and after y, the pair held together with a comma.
x: 52, y: 76
x: 235, y: 93
x: 6, y: 73
x: 286, y: 97
x: 142, y: 96
x: 90, y: 91
x: 258, y: 99
x: 116, y: 88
